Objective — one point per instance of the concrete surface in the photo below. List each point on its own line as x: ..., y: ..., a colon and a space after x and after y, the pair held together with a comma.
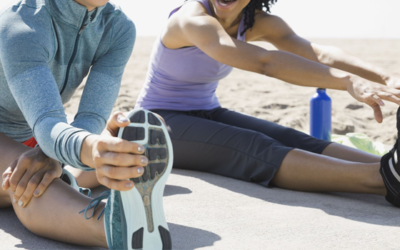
x: 205, y: 211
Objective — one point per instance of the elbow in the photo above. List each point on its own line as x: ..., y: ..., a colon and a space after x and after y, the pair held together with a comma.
x: 270, y: 63
x: 327, y: 54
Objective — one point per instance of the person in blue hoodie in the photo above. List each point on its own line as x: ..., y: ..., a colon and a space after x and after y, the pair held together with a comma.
x: 47, y: 48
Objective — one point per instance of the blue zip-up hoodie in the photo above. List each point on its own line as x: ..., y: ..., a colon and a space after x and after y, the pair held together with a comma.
x: 47, y: 48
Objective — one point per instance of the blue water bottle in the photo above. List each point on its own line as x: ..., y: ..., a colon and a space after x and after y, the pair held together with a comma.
x: 320, y: 115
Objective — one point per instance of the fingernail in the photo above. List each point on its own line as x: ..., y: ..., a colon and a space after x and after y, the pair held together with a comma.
x: 4, y: 181
x: 122, y: 118
x: 129, y: 185
x: 20, y: 203
x: 14, y: 200
x: 140, y: 149
x: 144, y: 160
x: 140, y: 170
x: 36, y: 192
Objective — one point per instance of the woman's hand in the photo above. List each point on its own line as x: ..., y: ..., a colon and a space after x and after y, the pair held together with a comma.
x: 30, y: 175
x: 115, y: 160
x: 373, y: 94
x: 393, y: 81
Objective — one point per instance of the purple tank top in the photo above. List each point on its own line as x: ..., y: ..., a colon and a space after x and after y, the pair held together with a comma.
x: 183, y: 79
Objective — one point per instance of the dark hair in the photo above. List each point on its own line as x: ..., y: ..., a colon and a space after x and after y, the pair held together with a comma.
x: 250, y: 11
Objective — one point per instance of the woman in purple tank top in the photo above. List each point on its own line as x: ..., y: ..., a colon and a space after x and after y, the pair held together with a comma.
x: 202, y: 41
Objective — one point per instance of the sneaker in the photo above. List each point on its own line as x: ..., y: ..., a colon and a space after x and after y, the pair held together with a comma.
x: 135, y: 219
x: 68, y: 178
x: 390, y: 170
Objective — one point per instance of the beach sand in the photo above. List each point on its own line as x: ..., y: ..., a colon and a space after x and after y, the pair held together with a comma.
x: 277, y: 101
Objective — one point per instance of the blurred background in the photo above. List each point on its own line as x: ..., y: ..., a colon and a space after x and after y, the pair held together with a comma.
x: 355, y: 19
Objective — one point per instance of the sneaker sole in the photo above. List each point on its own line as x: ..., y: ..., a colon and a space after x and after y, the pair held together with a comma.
x: 146, y: 227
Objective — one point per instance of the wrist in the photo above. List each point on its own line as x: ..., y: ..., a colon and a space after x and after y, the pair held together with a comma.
x: 344, y: 80
x: 391, y: 79
x: 87, y: 150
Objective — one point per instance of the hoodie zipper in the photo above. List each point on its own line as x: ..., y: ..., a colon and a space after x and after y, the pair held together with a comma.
x: 83, y: 26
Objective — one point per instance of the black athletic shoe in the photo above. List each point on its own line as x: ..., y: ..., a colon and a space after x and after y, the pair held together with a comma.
x: 390, y: 170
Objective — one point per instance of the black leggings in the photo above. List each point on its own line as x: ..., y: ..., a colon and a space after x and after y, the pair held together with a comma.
x: 231, y: 144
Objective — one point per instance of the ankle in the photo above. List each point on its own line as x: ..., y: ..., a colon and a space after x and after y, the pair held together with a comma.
x: 374, y: 181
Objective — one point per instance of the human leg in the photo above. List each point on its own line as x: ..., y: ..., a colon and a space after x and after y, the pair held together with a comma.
x: 343, y: 152
x: 293, y: 138
x: 55, y: 214
x: 85, y: 179
x: 205, y: 145
x: 306, y: 171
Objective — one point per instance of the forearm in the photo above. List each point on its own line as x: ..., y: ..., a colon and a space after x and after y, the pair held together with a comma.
x: 339, y: 59
x: 87, y: 150
x: 297, y: 70
x: 59, y: 140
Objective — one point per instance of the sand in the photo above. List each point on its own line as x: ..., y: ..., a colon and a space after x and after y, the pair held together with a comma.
x: 277, y: 101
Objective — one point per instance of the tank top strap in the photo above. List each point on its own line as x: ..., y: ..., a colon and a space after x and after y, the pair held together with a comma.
x: 241, y: 37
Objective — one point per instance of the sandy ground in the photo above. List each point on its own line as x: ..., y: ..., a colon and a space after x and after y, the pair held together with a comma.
x: 205, y: 211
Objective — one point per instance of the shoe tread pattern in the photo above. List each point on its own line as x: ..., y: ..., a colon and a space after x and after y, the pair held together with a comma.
x: 133, y: 134
x: 137, y: 239
x: 157, y: 153
x: 157, y: 137
x: 165, y: 238
x: 138, y: 117
x: 153, y: 120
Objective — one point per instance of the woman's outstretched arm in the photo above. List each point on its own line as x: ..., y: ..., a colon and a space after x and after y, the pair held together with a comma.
x: 191, y: 26
x: 276, y: 31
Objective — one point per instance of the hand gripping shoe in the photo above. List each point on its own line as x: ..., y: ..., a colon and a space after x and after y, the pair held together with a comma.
x: 135, y: 219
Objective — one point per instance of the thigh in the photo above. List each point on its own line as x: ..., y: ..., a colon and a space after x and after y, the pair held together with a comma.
x: 287, y: 136
x: 209, y: 146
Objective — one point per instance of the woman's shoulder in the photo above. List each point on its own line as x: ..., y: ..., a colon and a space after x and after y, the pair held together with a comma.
x: 265, y: 26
